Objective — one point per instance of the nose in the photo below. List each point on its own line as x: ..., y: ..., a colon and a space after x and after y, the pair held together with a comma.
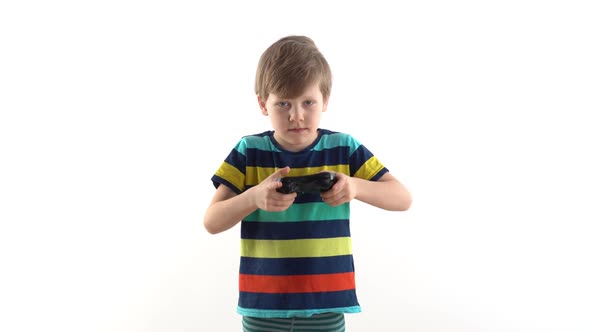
x: 296, y: 114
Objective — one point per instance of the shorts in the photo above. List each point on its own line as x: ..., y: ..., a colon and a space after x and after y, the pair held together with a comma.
x: 328, y: 322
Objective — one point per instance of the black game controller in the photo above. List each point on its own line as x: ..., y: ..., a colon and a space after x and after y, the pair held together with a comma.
x: 307, y: 184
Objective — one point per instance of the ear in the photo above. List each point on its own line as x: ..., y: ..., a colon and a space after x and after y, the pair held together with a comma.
x: 325, y: 107
x: 262, y: 105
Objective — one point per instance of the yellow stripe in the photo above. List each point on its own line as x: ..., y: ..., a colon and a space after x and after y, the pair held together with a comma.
x: 369, y: 169
x: 296, y: 248
x: 255, y: 175
x: 231, y: 174
x: 312, y: 170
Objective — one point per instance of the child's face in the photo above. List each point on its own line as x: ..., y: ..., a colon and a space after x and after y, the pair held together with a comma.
x: 295, y: 120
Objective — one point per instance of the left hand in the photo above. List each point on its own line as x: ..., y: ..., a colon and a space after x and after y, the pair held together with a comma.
x: 343, y: 191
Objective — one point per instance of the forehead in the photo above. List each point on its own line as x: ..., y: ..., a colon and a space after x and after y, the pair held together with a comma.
x: 311, y: 91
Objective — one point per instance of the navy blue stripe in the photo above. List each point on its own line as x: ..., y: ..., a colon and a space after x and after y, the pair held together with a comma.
x: 296, y: 266
x: 380, y: 174
x: 236, y: 159
x: 327, y: 157
x: 298, y: 301
x: 217, y: 181
x: 358, y: 158
x: 294, y: 230
x: 307, y: 198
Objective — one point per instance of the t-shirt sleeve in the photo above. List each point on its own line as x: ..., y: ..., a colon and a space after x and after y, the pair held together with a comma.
x: 363, y: 164
x: 232, y: 171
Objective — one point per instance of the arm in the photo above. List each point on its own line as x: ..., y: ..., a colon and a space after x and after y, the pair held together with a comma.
x: 228, y: 208
x: 387, y: 193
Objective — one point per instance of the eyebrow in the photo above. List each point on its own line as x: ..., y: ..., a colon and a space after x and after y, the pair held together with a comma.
x: 305, y: 97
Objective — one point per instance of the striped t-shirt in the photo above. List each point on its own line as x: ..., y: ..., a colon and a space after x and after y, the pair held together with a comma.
x: 297, y: 262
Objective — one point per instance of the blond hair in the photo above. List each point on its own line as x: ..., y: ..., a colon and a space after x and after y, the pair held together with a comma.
x: 289, y: 66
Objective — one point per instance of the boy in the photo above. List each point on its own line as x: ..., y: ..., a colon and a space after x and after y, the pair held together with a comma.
x: 296, y: 266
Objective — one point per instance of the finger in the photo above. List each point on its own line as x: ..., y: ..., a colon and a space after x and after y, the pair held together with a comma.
x: 330, y: 202
x: 337, y: 187
x: 334, y: 199
x: 284, y: 197
x: 281, y: 172
x: 277, y: 175
x: 334, y: 202
x: 329, y: 194
x: 275, y: 184
x: 280, y: 205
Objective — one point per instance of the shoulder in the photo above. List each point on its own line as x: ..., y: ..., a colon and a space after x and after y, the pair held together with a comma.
x: 254, y: 141
x: 332, y: 138
x: 259, y: 136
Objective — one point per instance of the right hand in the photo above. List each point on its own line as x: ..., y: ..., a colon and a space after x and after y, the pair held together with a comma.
x: 268, y: 198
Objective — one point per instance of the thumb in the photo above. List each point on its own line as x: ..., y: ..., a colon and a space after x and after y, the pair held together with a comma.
x: 283, y: 171
x: 280, y: 173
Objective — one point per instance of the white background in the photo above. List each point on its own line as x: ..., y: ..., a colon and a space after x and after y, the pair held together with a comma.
x: 115, y: 114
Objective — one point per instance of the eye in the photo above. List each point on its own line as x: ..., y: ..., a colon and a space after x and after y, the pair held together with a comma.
x: 283, y: 104
x: 309, y: 103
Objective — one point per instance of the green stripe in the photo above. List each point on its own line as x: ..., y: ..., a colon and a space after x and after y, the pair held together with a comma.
x: 255, y: 325
x: 302, y: 212
x: 329, y: 141
x: 256, y: 142
x: 329, y: 322
x: 335, y: 246
x: 263, y: 313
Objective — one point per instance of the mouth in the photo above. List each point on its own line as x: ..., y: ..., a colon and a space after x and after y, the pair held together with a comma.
x: 297, y: 130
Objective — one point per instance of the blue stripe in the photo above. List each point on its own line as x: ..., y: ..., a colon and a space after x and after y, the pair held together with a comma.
x: 295, y: 230
x: 333, y: 156
x: 308, y: 198
x: 237, y: 159
x: 295, y: 301
x: 217, y: 181
x: 380, y: 174
x: 358, y: 158
x: 296, y: 266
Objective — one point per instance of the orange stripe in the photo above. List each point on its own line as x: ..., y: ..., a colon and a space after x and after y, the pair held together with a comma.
x: 297, y: 284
